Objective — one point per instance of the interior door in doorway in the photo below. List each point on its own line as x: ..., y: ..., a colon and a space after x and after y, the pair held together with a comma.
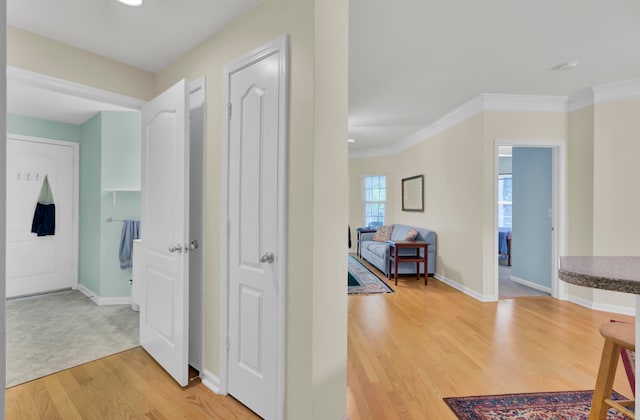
x: 254, y: 252
x: 38, y: 264
x: 164, y: 271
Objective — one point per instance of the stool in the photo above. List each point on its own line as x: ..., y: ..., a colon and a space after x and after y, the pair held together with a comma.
x: 617, y: 335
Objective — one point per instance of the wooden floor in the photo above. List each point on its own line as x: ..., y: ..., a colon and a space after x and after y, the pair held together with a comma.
x: 406, y: 351
x: 128, y: 385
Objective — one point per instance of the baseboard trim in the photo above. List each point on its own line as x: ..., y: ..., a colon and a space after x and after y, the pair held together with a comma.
x: 531, y: 284
x: 621, y: 310
x: 98, y: 300
x: 211, y: 381
x: 464, y: 289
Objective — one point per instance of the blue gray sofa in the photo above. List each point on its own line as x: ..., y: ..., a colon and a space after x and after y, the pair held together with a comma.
x: 377, y: 253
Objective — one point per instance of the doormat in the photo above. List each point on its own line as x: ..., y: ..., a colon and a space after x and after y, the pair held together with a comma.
x: 361, y: 280
x: 565, y: 405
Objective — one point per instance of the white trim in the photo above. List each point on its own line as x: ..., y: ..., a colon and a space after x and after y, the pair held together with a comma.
x: 449, y: 120
x: 278, y: 45
x: 559, y: 182
x: 617, y: 91
x: 67, y: 87
x: 98, y: 300
x: 609, y: 92
x: 622, y: 310
x: 211, y: 381
x: 581, y: 99
x: 531, y: 284
x: 481, y: 103
x: 75, y: 211
x: 464, y: 289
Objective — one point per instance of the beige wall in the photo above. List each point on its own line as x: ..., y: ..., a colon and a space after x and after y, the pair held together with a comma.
x: 616, y: 202
x: 453, y: 196
x: 600, y: 164
x: 316, y: 337
x: 580, y: 190
x: 42, y: 55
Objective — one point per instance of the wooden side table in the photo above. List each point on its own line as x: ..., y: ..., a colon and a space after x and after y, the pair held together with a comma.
x: 395, y: 258
x: 360, y: 231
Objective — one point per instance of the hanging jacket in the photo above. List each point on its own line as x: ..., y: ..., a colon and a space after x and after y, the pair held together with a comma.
x: 44, y: 217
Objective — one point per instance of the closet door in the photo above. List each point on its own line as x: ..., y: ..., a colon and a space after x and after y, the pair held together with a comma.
x: 37, y: 264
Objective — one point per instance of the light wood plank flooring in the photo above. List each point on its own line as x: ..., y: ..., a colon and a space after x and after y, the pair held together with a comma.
x: 128, y: 385
x: 406, y: 351
x: 409, y: 349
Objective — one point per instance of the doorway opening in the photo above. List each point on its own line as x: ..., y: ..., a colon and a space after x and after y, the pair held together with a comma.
x: 528, y: 180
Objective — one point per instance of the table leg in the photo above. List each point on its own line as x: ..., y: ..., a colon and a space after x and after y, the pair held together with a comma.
x: 426, y: 270
x: 637, y: 345
x: 396, y: 272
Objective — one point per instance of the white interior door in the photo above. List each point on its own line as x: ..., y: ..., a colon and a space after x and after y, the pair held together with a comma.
x: 37, y: 264
x: 254, y: 258
x: 164, y: 307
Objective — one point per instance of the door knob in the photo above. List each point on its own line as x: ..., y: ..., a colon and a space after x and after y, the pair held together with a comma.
x: 175, y: 248
x: 267, y: 257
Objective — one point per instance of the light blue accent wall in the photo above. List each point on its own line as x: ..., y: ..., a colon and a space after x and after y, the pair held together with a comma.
x: 109, y: 158
x: 89, y: 261
x: 115, y: 281
x: 36, y: 127
x: 532, y: 203
x: 121, y: 159
x: 504, y: 165
x: 121, y: 153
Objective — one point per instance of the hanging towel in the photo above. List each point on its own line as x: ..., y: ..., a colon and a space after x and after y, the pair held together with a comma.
x: 44, y: 217
x: 130, y: 231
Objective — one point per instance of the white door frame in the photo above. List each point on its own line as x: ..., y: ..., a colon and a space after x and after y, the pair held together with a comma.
x: 75, y: 147
x: 281, y: 45
x: 559, y: 289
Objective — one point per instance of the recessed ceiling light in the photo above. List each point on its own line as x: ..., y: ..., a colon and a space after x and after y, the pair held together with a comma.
x: 570, y: 65
x: 351, y: 140
x: 131, y: 2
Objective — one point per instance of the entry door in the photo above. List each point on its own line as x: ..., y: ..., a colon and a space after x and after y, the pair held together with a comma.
x: 254, y: 262
x: 164, y: 308
x: 37, y: 264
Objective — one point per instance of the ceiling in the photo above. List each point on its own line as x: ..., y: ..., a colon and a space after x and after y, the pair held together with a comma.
x: 413, y: 61
x: 410, y: 61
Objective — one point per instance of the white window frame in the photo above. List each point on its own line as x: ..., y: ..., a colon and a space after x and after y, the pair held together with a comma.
x: 366, y: 202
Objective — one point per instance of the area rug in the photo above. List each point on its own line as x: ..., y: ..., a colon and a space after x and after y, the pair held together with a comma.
x: 56, y: 331
x: 569, y: 405
x: 362, y: 281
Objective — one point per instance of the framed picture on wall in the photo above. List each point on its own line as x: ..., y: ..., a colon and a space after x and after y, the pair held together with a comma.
x: 413, y: 193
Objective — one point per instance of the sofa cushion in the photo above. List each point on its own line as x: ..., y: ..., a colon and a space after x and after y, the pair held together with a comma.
x: 383, y: 233
x: 399, y: 232
x: 379, y: 249
x: 411, y: 235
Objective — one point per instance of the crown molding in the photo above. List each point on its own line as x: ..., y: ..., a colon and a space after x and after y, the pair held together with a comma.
x: 617, y: 91
x: 481, y: 103
x: 581, y: 99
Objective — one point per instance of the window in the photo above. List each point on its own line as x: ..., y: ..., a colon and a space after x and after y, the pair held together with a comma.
x: 504, y: 201
x: 375, y: 197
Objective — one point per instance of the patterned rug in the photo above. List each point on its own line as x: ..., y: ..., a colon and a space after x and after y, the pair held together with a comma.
x: 569, y: 405
x: 361, y: 280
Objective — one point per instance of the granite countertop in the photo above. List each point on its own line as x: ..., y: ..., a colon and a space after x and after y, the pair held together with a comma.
x: 621, y: 274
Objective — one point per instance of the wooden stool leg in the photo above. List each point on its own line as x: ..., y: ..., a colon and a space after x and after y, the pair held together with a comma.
x: 604, y: 382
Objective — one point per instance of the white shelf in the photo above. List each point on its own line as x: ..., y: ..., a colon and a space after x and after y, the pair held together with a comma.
x: 115, y: 191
